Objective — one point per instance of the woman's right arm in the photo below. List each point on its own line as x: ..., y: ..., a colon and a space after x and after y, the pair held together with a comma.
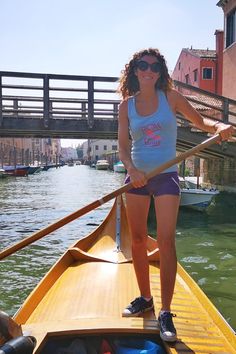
x: 138, y: 178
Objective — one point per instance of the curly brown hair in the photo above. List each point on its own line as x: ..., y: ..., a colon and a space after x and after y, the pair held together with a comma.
x: 128, y: 83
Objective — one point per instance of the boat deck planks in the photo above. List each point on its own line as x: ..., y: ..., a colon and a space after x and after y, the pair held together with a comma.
x: 196, y: 332
x: 93, y: 281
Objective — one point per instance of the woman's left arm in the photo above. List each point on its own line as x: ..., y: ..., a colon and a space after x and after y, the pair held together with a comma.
x: 180, y: 104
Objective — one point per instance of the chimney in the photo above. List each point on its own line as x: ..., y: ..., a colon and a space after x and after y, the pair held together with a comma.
x: 219, y: 42
x: 219, y: 60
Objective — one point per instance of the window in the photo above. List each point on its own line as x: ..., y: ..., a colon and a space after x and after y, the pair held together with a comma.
x: 231, y: 28
x: 114, y: 147
x: 179, y: 65
x: 105, y: 147
x: 195, y: 75
x: 187, y: 79
x: 207, y: 73
x: 96, y: 147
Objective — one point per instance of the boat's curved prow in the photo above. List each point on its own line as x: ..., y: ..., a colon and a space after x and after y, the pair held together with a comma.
x: 111, y: 241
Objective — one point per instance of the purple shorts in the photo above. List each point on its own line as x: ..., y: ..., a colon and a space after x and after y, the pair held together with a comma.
x: 165, y: 183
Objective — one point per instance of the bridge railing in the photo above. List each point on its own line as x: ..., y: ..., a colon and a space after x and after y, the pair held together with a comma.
x: 51, y: 97
x: 208, y: 104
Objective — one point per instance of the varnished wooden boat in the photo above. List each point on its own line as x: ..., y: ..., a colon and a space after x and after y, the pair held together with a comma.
x: 18, y: 170
x: 83, y: 296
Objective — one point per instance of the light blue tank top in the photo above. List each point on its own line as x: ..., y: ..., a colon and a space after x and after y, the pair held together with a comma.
x: 154, y: 136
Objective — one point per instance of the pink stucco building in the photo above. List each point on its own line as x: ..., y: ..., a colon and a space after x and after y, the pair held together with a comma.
x: 202, y: 67
x: 213, y: 70
x: 229, y: 51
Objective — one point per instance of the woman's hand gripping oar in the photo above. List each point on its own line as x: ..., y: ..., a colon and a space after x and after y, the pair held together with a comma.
x: 58, y: 224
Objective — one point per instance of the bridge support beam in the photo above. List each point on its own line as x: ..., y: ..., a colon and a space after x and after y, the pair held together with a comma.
x: 221, y: 173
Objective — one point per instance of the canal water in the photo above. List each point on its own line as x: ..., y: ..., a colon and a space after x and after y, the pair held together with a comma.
x: 206, y: 242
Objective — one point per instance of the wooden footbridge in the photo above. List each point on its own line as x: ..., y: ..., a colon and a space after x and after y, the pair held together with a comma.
x: 82, y: 107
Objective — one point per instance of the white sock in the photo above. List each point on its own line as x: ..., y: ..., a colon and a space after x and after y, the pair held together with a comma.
x: 147, y: 298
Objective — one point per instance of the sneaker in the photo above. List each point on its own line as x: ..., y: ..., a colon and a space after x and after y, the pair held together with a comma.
x: 167, y: 328
x: 138, y: 306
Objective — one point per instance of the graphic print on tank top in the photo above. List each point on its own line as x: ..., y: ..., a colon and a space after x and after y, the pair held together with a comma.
x: 151, y: 134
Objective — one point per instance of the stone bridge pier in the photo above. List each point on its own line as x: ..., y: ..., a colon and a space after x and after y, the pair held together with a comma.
x: 220, y: 173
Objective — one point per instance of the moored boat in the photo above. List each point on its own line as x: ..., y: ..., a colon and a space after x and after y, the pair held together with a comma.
x: 119, y: 167
x: 82, y: 297
x: 18, y: 170
x: 45, y: 167
x: 34, y: 169
x: 3, y: 173
x: 194, y: 197
x: 49, y: 166
x: 102, y: 165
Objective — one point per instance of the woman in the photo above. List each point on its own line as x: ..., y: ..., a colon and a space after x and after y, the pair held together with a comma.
x: 148, y: 113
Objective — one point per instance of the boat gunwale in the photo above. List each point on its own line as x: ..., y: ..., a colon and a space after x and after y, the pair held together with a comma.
x: 215, y: 315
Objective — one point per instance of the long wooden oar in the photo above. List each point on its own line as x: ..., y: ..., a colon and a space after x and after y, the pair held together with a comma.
x: 52, y: 227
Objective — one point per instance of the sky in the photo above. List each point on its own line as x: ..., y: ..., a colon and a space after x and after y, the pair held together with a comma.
x: 98, y: 37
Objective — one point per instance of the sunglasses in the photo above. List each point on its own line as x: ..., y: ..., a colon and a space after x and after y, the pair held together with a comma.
x: 143, y: 66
